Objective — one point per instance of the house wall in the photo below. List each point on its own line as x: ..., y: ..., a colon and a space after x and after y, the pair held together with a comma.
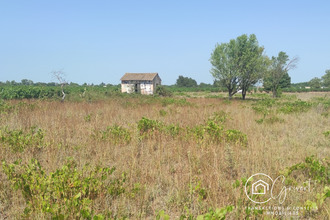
x: 144, y: 87
x: 128, y: 88
x: 156, y: 81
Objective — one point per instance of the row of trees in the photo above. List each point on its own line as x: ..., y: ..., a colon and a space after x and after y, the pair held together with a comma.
x: 241, y: 63
x: 324, y: 81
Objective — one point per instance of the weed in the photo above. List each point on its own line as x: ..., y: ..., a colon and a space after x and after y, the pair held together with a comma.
x: 88, y: 117
x: 326, y: 133
x: 294, y: 107
x: 318, y: 170
x: 115, y: 134
x: 237, y: 137
x: 216, y: 214
x: 148, y: 126
x: 18, y: 140
x: 162, y: 112
x: 68, y: 193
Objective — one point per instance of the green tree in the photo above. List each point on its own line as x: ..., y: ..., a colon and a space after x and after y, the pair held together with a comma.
x: 186, y: 82
x: 251, y: 63
x: 239, y: 64
x: 277, y: 76
x: 315, y: 83
x: 26, y: 82
x: 224, y: 69
x: 326, y: 78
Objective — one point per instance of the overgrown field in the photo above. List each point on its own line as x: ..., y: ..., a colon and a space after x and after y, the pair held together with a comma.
x: 145, y: 157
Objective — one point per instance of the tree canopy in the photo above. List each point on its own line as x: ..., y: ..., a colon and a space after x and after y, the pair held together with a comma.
x: 277, y: 75
x: 239, y: 64
x: 186, y: 82
x: 326, y: 78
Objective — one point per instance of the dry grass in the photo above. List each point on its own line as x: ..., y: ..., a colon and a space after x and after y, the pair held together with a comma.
x: 167, y: 168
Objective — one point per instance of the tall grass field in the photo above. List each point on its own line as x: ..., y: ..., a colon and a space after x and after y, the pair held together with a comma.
x: 189, y: 156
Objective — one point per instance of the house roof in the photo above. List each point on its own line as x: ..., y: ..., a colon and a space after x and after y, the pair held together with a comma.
x: 139, y: 76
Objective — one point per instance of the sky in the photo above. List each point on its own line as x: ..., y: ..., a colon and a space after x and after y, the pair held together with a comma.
x: 98, y: 41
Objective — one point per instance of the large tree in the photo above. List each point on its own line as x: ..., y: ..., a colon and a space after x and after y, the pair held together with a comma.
x: 251, y: 62
x: 326, y: 78
x: 239, y: 64
x: 277, y: 75
x: 224, y: 69
x: 186, y: 82
x: 315, y: 83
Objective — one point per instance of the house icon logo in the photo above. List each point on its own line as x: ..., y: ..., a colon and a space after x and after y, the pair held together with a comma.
x: 257, y: 188
x: 260, y: 188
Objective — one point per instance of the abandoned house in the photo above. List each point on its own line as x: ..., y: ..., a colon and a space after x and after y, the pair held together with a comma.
x: 144, y: 83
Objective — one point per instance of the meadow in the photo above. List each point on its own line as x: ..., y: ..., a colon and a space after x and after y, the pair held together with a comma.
x: 148, y: 157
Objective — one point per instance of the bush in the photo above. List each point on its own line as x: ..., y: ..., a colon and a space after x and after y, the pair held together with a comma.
x: 68, y: 193
x: 163, y: 91
x: 19, y: 140
x: 115, y: 134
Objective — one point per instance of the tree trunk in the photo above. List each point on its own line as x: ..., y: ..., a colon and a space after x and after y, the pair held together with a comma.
x: 243, y: 94
x: 230, y: 95
x: 274, y: 93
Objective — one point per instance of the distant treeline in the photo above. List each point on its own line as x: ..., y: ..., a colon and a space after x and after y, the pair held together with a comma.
x: 26, y: 89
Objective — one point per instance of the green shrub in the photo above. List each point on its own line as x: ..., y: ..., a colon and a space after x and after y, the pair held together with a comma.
x: 18, y: 140
x: 115, y: 134
x: 294, y: 107
x: 236, y: 137
x: 326, y: 133
x: 217, y: 214
x: 314, y: 168
x: 148, y: 126
x: 163, y: 91
x: 67, y: 193
x: 162, y: 112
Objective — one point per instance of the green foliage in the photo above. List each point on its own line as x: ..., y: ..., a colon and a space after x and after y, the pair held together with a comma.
x: 18, y: 140
x: 243, y: 204
x: 74, y: 92
x: 315, y: 83
x: 217, y: 214
x: 162, y: 216
x: 196, y: 189
x: 238, y: 64
x: 115, y: 134
x: 5, y: 107
x: 67, y: 193
x: 294, y: 107
x: 327, y: 134
x: 220, y: 117
x: 163, y: 91
x: 29, y: 92
x: 236, y: 137
x: 162, y: 112
x: 277, y: 76
x: 88, y: 117
x: 312, y: 207
x: 185, y: 82
x: 214, y: 130
x: 326, y: 79
x: 148, y: 128
x: 270, y: 107
x: 318, y: 170
x: 263, y: 106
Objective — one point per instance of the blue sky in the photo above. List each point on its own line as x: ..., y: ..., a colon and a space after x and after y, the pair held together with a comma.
x: 98, y: 41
